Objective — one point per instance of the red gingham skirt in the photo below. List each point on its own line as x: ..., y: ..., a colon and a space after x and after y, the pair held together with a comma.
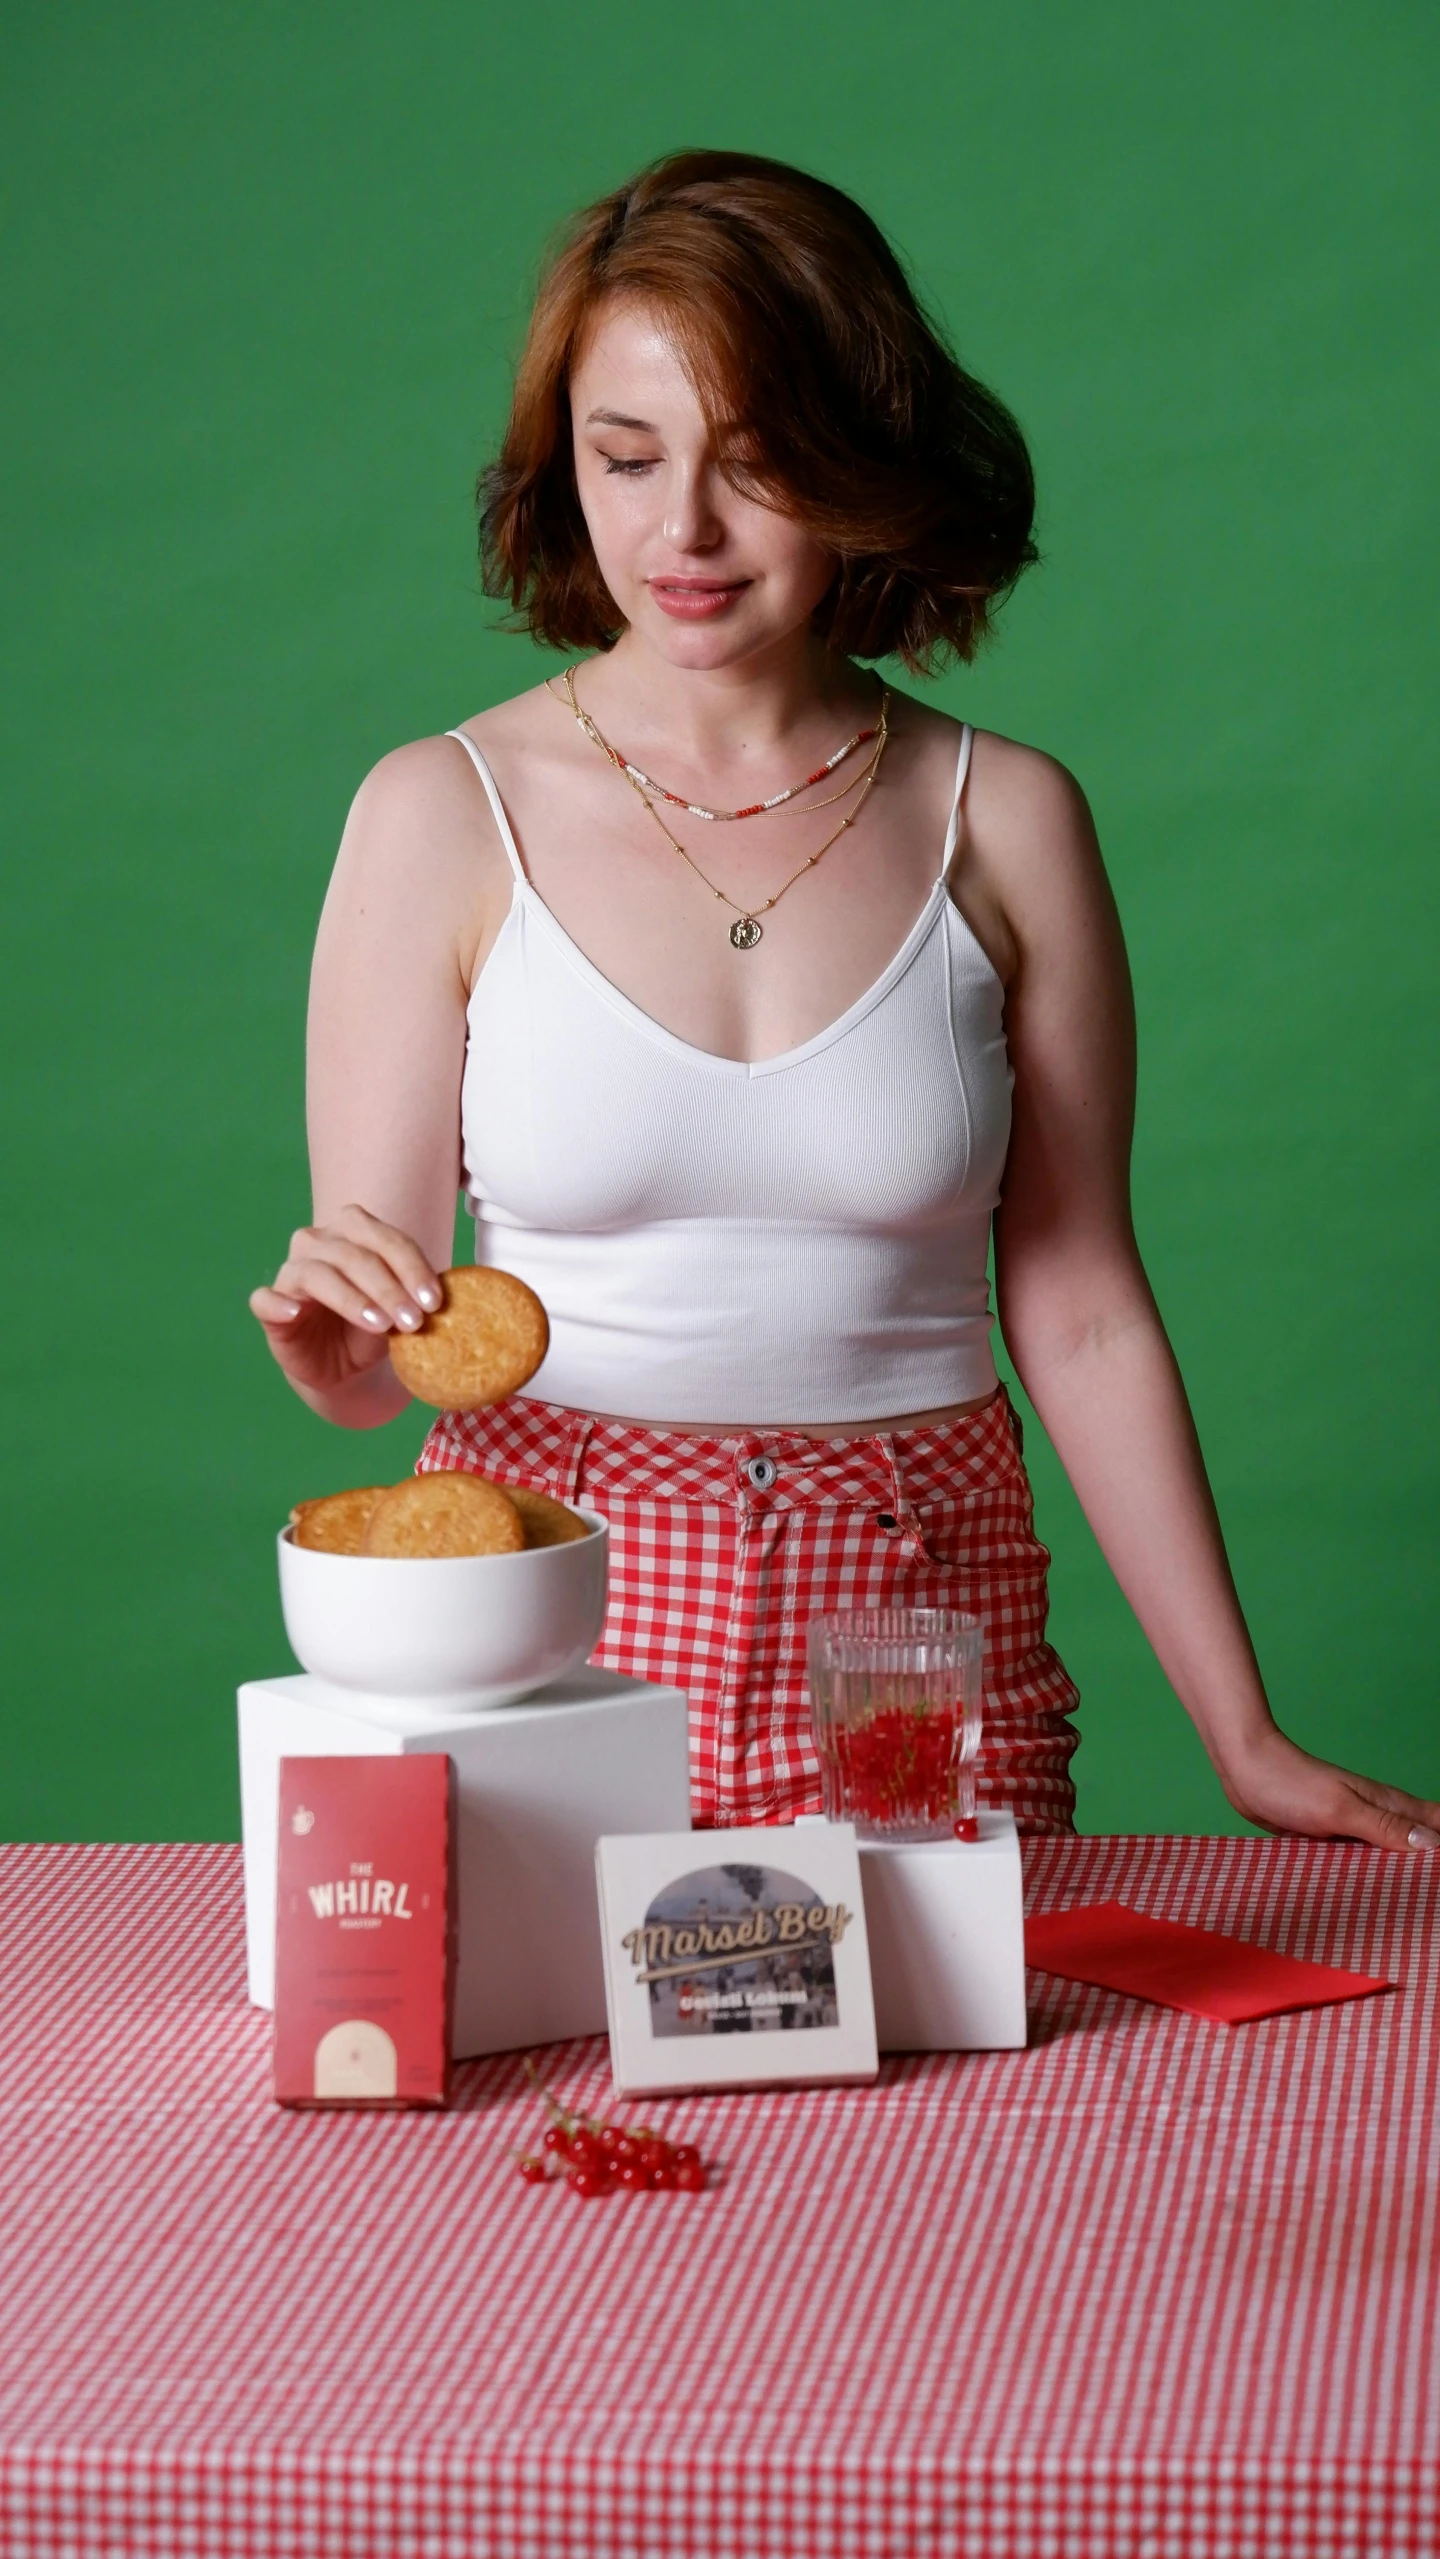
x: 714, y: 1578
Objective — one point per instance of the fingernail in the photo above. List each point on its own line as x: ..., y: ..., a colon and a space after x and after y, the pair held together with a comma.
x: 371, y: 1315
x: 429, y: 1298
x: 1420, y: 1837
x: 407, y: 1319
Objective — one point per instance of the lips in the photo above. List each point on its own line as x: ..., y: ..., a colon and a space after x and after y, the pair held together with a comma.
x: 695, y: 599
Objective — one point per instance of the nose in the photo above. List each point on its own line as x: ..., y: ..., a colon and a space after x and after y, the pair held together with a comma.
x: 692, y: 522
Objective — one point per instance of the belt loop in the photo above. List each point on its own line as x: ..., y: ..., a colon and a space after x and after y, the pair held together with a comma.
x: 900, y: 1499
x: 571, y: 1466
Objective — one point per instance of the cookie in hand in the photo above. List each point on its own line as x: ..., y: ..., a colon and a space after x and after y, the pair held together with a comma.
x: 487, y: 1340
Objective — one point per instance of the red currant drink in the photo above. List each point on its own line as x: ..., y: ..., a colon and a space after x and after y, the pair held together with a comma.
x: 895, y: 1701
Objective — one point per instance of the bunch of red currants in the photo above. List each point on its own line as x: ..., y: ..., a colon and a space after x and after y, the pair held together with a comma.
x: 593, y: 2157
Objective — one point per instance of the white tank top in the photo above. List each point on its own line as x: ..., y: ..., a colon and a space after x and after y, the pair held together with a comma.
x: 802, y: 1239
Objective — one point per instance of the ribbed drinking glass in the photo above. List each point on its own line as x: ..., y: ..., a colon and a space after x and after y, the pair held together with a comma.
x: 895, y: 1702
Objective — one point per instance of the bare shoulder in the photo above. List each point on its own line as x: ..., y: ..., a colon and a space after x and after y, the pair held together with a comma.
x: 421, y: 822
x: 1013, y: 791
x: 1023, y: 800
x: 425, y: 793
x: 1029, y: 843
x: 421, y: 866
x: 430, y: 790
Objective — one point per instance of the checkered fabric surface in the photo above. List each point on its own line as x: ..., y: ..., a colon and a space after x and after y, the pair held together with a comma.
x: 714, y: 1579
x: 1153, y: 2287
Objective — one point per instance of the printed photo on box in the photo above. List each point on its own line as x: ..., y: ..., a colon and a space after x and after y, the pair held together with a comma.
x: 739, y: 1950
x: 735, y: 1958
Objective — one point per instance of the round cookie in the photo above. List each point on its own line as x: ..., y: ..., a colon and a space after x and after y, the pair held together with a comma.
x: 336, y: 1523
x: 487, y: 1339
x: 445, y: 1514
x: 545, y: 1521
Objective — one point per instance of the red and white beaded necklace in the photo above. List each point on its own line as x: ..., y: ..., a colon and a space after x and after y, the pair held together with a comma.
x: 644, y: 781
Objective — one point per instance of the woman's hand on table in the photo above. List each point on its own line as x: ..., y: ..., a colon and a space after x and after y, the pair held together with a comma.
x: 341, y: 1291
x: 1282, y: 1787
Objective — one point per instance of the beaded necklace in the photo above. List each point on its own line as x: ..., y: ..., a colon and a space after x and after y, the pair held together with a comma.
x: 747, y: 929
x: 636, y: 774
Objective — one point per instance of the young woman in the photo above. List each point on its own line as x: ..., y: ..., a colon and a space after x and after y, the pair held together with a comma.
x: 741, y: 992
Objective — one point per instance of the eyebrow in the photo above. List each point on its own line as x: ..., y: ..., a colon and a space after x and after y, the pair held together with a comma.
x: 617, y: 417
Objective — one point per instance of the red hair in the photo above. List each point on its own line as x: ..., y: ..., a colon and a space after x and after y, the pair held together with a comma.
x: 835, y: 398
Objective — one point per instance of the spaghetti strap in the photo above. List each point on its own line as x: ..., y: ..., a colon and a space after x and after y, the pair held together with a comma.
x: 952, y: 832
x: 497, y: 804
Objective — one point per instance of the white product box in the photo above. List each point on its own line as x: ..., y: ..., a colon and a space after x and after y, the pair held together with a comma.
x: 735, y: 1958
x: 946, y: 1926
x: 536, y: 1784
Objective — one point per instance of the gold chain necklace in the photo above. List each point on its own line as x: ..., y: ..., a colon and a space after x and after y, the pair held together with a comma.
x: 747, y: 929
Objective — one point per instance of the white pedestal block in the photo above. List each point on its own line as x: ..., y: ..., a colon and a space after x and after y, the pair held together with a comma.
x: 947, y: 1941
x: 537, y: 1785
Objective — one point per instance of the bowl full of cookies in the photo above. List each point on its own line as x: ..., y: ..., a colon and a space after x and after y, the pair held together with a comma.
x: 448, y: 1587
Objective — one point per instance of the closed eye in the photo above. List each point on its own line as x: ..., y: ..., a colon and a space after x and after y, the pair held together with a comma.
x: 613, y: 462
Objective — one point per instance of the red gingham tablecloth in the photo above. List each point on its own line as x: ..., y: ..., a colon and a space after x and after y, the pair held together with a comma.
x: 1153, y: 2287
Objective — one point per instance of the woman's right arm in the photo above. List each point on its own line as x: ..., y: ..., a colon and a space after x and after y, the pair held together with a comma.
x: 420, y: 886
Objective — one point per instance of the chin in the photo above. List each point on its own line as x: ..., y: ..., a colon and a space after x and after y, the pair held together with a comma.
x: 704, y: 647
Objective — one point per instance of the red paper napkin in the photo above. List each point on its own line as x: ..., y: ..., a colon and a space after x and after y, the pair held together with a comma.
x: 1191, y: 1968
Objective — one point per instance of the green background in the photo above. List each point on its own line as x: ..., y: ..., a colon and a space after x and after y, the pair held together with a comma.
x: 267, y: 270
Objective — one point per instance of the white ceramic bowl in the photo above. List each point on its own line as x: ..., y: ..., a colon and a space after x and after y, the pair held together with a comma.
x: 459, y: 1630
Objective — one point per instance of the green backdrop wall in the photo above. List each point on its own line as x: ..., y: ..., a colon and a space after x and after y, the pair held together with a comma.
x: 267, y: 270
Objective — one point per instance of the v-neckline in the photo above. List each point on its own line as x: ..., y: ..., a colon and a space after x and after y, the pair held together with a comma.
x: 528, y: 896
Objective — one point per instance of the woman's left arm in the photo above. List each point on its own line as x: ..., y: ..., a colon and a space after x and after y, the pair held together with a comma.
x: 1079, y: 1319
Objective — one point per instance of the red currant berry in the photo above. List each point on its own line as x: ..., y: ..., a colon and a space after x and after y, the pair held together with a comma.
x: 654, y: 2153
x: 666, y: 2175
x: 690, y: 2177
x: 534, y: 2171
x: 625, y: 2148
x: 557, y: 2141
x: 585, y: 2151
x: 685, y: 2155
x: 633, y: 2177
x: 586, y: 2181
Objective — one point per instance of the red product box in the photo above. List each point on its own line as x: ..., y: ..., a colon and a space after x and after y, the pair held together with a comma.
x: 365, y: 1931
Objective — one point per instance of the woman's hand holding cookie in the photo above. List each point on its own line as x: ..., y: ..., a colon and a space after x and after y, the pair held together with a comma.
x: 345, y: 1290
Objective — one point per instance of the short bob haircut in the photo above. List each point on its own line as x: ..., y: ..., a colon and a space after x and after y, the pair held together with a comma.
x: 832, y: 397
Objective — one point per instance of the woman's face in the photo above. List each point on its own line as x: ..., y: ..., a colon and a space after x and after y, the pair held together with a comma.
x: 702, y: 574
